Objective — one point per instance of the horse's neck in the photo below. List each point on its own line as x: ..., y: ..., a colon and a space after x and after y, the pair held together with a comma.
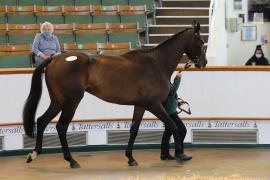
x: 169, y: 53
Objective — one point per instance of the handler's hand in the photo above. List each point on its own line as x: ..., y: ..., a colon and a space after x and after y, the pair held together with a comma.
x: 179, y: 74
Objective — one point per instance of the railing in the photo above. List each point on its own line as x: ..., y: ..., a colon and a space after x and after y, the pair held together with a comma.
x: 155, y: 119
x: 208, y: 68
x: 212, y: 10
x: 216, y: 49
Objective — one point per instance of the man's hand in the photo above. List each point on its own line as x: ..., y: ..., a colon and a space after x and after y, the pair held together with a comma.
x: 179, y: 74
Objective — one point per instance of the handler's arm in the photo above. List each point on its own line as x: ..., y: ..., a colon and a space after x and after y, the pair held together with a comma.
x: 176, y: 83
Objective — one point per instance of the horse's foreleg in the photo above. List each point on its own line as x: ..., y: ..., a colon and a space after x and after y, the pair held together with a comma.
x: 62, y: 127
x: 158, y: 110
x: 42, y: 123
x: 136, y: 121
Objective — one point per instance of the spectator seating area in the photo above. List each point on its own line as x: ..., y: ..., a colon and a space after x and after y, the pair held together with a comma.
x: 73, y: 14
x: 98, y: 26
x: 73, y: 33
x: 20, y: 56
x: 148, y: 3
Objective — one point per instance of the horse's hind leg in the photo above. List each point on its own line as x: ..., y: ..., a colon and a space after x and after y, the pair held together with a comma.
x: 42, y: 123
x: 62, y: 127
x: 136, y: 121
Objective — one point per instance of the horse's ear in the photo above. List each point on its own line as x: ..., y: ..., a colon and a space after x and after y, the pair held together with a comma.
x: 198, y: 27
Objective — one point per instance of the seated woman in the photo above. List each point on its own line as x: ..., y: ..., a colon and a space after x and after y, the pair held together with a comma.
x: 45, y: 44
x: 258, y: 58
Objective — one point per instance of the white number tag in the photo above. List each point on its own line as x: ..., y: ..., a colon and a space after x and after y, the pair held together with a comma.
x: 71, y: 58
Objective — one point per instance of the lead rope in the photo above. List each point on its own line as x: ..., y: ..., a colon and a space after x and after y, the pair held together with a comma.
x: 188, y: 64
x: 181, y: 102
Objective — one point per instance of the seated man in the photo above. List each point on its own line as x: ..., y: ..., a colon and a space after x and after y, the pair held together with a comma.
x: 258, y: 58
x: 170, y: 105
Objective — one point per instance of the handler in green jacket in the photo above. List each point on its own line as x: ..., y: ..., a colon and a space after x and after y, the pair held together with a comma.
x: 171, y: 105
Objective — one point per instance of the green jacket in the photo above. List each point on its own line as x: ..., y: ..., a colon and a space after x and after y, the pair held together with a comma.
x: 171, y: 102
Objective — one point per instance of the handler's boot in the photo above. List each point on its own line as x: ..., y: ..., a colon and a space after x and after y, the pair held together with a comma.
x: 185, y: 157
x: 166, y: 157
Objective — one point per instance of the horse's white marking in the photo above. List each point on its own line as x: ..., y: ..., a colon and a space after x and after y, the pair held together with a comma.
x: 71, y: 58
x: 33, y: 155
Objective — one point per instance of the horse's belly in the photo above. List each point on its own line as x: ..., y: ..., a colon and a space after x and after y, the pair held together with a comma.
x: 117, y: 97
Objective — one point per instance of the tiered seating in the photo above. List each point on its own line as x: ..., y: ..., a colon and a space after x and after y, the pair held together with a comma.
x: 71, y: 33
x: 3, y: 31
x: 149, y: 3
x: 87, y: 47
x: 130, y: 14
x: 91, y: 33
x: 78, y: 14
x: 93, y: 25
x: 53, y: 14
x: 20, y: 14
x: 122, y: 32
x: 2, y: 14
x: 113, y: 48
x: 114, y: 2
x: 104, y: 14
x: 65, y: 32
x: 9, y: 2
x: 99, y: 48
x: 12, y: 56
x: 31, y: 2
x: 60, y: 2
x: 87, y: 2
x: 21, y: 33
x: 73, y: 14
x: 20, y: 56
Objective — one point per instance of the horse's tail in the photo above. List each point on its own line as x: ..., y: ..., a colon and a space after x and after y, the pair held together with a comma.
x: 30, y: 106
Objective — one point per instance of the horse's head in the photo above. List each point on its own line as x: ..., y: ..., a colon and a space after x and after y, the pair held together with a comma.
x: 195, y: 49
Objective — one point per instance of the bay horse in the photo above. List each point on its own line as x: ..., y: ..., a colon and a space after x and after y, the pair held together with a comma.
x: 140, y: 77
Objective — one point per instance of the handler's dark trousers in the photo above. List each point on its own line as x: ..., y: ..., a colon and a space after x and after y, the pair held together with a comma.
x: 167, y: 134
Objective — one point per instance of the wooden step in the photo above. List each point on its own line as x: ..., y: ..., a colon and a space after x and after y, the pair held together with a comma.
x: 181, y: 19
x: 182, y: 11
x: 185, y: 3
x: 172, y: 29
x: 158, y: 38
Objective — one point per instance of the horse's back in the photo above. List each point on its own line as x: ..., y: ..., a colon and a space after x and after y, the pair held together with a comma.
x: 70, y: 58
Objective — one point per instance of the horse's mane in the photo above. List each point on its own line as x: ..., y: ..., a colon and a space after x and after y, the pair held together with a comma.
x: 171, y: 38
x: 158, y: 46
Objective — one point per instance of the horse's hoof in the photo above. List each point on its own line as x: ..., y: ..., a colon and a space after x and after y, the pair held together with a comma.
x: 75, y: 165
x: 31, y: 156
x: 133, y: 163
x: 179, y: 160
x: 29, y: 159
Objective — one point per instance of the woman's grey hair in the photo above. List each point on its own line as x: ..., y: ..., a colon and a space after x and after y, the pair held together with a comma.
x: 46, y: 24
